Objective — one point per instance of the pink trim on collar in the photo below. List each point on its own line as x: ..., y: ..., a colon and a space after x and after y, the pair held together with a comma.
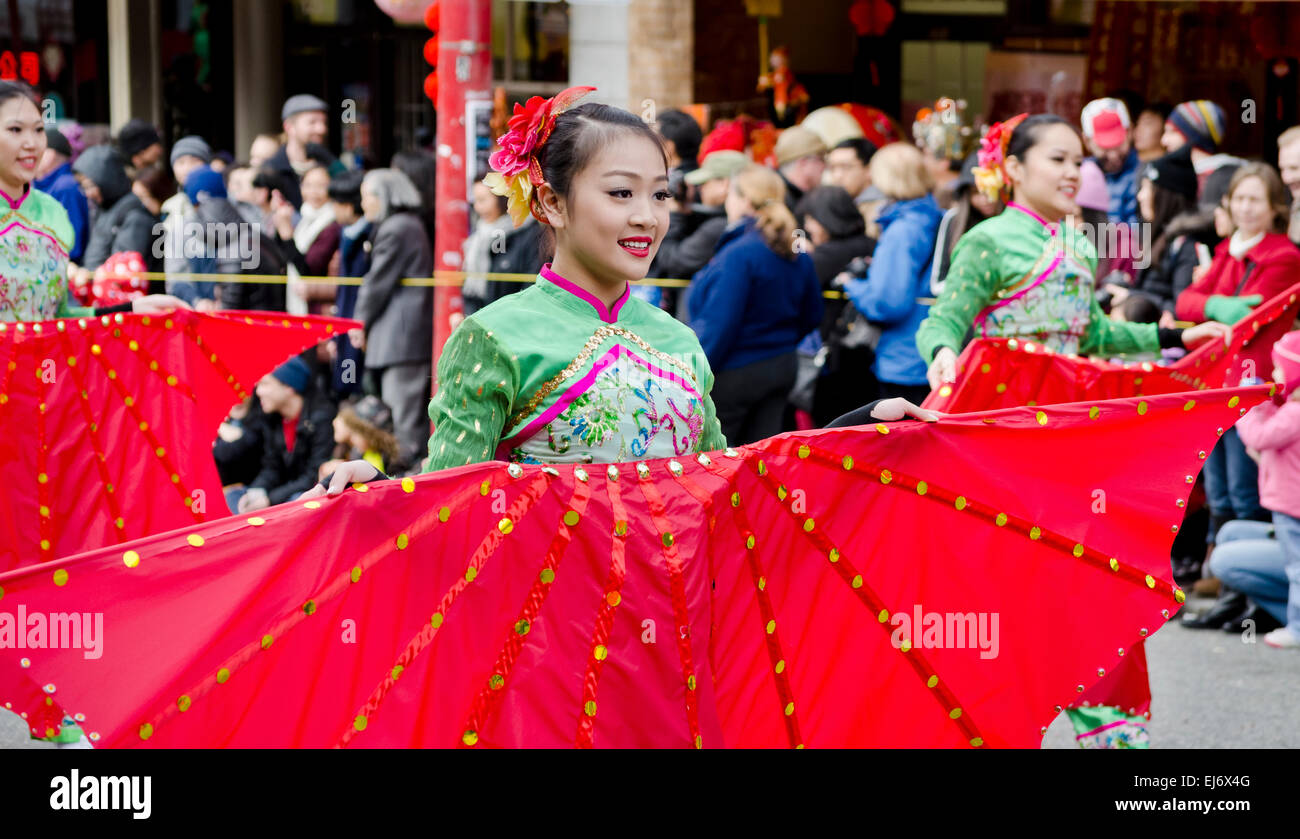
x: 1012, y: 205
x: 608, y: 315
x: 13, y: 205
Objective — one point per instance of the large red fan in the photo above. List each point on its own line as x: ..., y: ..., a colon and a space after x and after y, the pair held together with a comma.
x: 780, y: 595
x: 1001, y: 372
x: 108, y: 422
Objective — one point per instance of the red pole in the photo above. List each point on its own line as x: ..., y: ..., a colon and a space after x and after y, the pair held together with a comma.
x: 464, y: 73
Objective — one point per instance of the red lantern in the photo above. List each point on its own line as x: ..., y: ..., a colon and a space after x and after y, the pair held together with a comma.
x: 431, y: 16
x: 431, y: 87
x: 431, y: 51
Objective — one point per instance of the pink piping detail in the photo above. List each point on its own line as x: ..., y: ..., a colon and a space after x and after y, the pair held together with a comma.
x: 56, y: 242
x: 1012, y: 205
x: 608, y: 315
x: 984, y: 313
x: 27, y: 190
x: 1108, y: 726
x: 584, y: 384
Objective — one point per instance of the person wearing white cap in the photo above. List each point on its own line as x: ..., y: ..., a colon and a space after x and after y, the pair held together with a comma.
x: 1109, y: 132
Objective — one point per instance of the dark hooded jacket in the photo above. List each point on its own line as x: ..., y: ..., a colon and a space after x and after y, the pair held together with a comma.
x: 124, y: 223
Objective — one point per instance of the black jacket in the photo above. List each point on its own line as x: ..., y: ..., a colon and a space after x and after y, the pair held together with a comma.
x: 126, y: 226
x: 829, y: 259
x: 251, y: 239
x: 521, y: 254
x: 284, y: 474
x: 689, y: 243
x: 290, y: 188
x: 240, y: 461
x: 1164, y: 280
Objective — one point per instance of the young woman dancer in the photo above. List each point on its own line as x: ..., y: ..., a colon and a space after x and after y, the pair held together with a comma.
x: 35, y: 234
x: 1025, y: 274
x: 574, y: 369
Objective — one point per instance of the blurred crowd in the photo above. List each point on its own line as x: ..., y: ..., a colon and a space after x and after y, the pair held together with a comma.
x: 288, y: 209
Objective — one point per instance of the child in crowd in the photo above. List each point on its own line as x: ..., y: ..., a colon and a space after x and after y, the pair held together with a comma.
x: 364, y: 430
x: 1268, y: 570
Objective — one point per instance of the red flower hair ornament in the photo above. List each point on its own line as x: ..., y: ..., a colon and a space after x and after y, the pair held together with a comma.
x: 991, y: 174
x: 516, y: 170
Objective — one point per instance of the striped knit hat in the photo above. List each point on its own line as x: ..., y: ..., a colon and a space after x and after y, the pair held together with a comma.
x: 1201, y: 122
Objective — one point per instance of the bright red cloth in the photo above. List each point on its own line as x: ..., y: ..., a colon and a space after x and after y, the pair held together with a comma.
x: 478, y: 607
x: 108, y: 422
x: 1274, y: 265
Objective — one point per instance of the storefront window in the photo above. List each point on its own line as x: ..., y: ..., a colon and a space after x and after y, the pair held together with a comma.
x: 530, y: 46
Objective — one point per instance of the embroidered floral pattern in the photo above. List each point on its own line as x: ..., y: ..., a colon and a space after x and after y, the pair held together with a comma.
x: 32, y: 269
x: 1056, y: 312
x: 630, y: 411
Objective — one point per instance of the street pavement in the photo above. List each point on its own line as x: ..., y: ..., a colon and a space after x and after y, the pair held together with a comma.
x: 1210, y: 690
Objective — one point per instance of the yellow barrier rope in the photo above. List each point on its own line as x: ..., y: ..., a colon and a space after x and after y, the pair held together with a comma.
x: 440, y: 279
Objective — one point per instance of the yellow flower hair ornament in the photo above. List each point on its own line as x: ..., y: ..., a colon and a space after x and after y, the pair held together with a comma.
x: 516, y: 169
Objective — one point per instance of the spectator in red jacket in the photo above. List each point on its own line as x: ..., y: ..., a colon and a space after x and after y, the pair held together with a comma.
x: 1256, y: 262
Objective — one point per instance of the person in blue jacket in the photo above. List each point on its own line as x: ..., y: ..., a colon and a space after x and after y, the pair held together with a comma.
x: 900, y: 270
x: 59, y: 183
x: 752, y: 304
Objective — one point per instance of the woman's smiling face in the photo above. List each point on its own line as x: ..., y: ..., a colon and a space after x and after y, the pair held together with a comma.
x: 1047, y: 179
x: 616, y: 213
x: 22, y: 142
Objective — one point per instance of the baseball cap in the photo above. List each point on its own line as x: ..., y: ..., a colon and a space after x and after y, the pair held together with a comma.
x: 796, y: 142
x: 723, y: 163
x: 1106, y: 122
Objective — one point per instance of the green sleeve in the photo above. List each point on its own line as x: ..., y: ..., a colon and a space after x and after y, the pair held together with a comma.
x: 712, y: 439
x: 971, y: 285
x: 66, y: 311
x: 1106, y: 337
x: 477, y: 384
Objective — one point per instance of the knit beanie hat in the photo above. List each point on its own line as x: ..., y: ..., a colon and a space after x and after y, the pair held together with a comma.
x: 1174, y: 172
x: 293, y: 373
x: 1092, y: 194
x: 1201, y: 122
x: 1216, y: 186
x: 136, y: 136
x: 192, y: 145
x: 204, y: 182
x: 55, y: 140
x: 1286, y: 355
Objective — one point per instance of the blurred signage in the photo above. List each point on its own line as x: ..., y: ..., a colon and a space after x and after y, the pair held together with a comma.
x: 23, y: 65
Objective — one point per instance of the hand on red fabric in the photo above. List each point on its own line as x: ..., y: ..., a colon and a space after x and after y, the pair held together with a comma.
x: 157, y: 304
x: 254, y: 499
x: 898, y: 408
x: 1208, y: 331
x: 943, y: 370
x: 358, y: 338
x: 351, y: 472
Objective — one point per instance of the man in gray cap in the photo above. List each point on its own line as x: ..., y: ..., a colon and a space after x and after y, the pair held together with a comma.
x: 306, y: 132
x: 188, y: 153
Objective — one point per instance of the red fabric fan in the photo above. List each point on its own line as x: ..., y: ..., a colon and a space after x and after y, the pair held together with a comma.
x: 108, y: 422
x: 1001, y: 372
x: 912, y: 584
